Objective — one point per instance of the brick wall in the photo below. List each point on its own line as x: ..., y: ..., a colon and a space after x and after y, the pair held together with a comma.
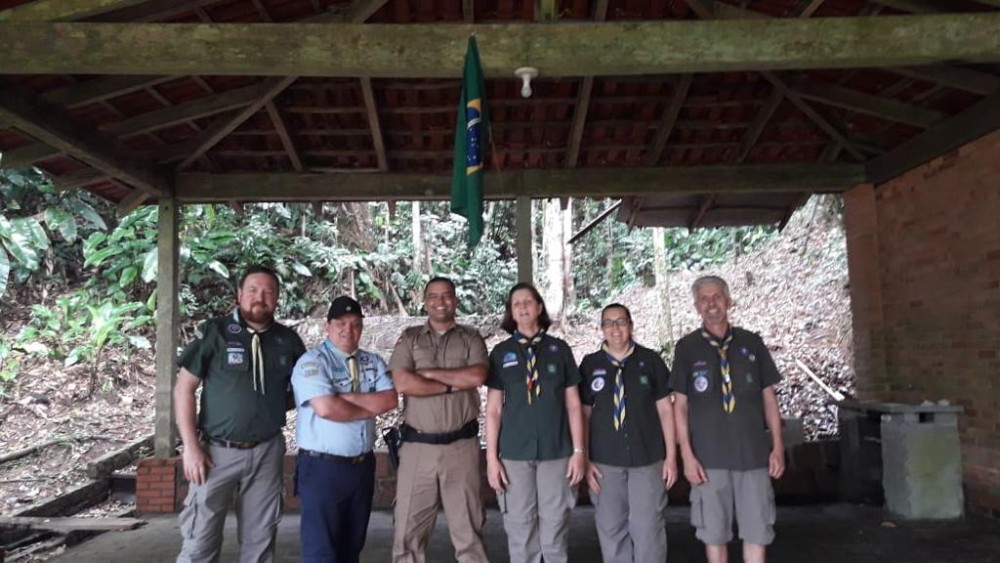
x: 811, y: 476
x: 924, y: 261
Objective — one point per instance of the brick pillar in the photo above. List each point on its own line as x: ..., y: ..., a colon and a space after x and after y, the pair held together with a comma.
x: 863, y: 265
x: 156, y: 486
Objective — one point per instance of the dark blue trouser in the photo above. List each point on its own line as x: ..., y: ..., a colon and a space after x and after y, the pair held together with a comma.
x: 336, y: 503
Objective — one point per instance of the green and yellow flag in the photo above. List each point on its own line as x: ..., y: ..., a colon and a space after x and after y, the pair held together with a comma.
x: 470, y: 142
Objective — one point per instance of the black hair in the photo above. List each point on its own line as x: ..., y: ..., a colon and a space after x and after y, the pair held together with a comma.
x: 440, y: 279
x: 628, y: 314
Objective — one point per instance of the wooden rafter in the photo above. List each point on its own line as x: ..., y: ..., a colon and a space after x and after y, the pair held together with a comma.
x: 878, y: 106
x: 156, y: 119
x: 760, y: 121
x: 706, y: 203
x: 286, y: 138
x: 669, y: 119
x: 808, y: 7
x: 374, y: 124
x: 569, y: 49
x: 578, y: 182
x: 100, y: 89
x: 77, y: 180
x: 359, y: 11
x: 979, y: 120
x: 582, y: 107
x: 54, y: 128
x: 919, y: 6
x: 62, y: 10
x: 813, y: 115
x: 974, y: 81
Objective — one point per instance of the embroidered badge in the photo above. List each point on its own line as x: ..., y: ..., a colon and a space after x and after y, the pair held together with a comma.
x: 552, y: 368
x: 553, y: 348
x: 700, y: 364
x: 600, y: 371
x: 310, y: 369
x: 701, y: 384
x: 235, y: 356
x: 597, y: 384
x: 509, y: 359
x: 644, y: 380
x: 749, y: 378
x: 235, y: 329
x: 283, y: 361
x: 642, y: 364
x: 365, y: 359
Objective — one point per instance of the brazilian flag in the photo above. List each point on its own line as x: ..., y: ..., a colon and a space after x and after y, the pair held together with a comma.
x: 470, y: 140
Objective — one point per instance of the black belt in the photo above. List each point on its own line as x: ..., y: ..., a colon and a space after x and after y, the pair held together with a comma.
x: 231, y: 443
x: 349, y: 460
x: 411, y: 434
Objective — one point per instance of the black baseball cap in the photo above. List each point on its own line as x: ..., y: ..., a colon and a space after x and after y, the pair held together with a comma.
x: 344, y: 305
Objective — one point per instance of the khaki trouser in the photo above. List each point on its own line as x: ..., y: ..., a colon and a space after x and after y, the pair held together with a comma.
x: 628, y: 513
x: 254, y: 474
x: 432, y: 476
x: 538, y: 501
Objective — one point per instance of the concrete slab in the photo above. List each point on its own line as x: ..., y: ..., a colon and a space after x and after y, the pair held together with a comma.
x: 817, y: 534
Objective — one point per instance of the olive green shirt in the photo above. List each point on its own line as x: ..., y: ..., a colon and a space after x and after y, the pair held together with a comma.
x: 538, y: 431
x: 231, y: 407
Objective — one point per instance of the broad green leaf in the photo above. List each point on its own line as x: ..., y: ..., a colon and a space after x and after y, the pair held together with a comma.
x: 18, y: 244
x: 34, y: 230
x: 35, y: 348
x: 219, y: 268
x: 84, y: 209
x: 301, y: 270
x: 59, y: 220
x: 150, y: 265
x: 128, y: 275
x: 98, y: 257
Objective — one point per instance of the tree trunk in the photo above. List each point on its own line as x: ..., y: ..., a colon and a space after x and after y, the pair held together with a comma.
x: 419, y: 264
x: 553, y: 246
x: 569, y: 288
x: 665, y: 327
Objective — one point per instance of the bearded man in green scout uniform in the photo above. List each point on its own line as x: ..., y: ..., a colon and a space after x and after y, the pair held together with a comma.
x: 728, y: 426
x: 243, y: 362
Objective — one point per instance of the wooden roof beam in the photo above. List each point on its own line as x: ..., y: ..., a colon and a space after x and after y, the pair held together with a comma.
x: 582, y: 107
x: 358, y: 11
x: 54, y: 128
x: 977, y: 82
x: 813, y: 115
x: 150, y: 121
x: 286, y: 138
x: 62, y: 10
x: 669, y: 119
x: 860, y: 102
x: 577, y: 182
x: 371, y: 109
x: 569, y: 49
x: 760, y: 121
x: 981, y: 119
x: 920, y: 6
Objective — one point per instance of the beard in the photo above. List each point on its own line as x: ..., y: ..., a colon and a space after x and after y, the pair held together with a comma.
x: 257, y: 314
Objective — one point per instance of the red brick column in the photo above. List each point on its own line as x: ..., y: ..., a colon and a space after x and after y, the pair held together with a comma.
x: 156, y: 486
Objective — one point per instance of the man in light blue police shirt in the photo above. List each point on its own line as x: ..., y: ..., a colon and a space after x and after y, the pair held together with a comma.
x: 339, y: 390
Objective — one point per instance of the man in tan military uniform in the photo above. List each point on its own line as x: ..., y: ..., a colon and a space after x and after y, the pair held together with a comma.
x: 438, y: 367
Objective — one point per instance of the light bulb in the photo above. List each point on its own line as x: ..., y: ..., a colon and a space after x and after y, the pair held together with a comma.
x: 526, y: 73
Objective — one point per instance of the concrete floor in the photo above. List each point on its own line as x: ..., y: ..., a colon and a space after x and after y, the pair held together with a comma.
x: 814, y: 534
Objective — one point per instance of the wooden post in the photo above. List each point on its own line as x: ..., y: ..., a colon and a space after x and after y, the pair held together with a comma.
x: 523, y: 225
x: 166, y: 327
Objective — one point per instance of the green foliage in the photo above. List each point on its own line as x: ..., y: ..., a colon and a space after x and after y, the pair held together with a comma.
x: 33, y: 219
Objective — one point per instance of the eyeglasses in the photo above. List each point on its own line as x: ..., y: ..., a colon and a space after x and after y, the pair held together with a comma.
x: 620, y: 323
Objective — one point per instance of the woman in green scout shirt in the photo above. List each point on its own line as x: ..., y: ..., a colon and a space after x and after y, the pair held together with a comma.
x: 534, y: 430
